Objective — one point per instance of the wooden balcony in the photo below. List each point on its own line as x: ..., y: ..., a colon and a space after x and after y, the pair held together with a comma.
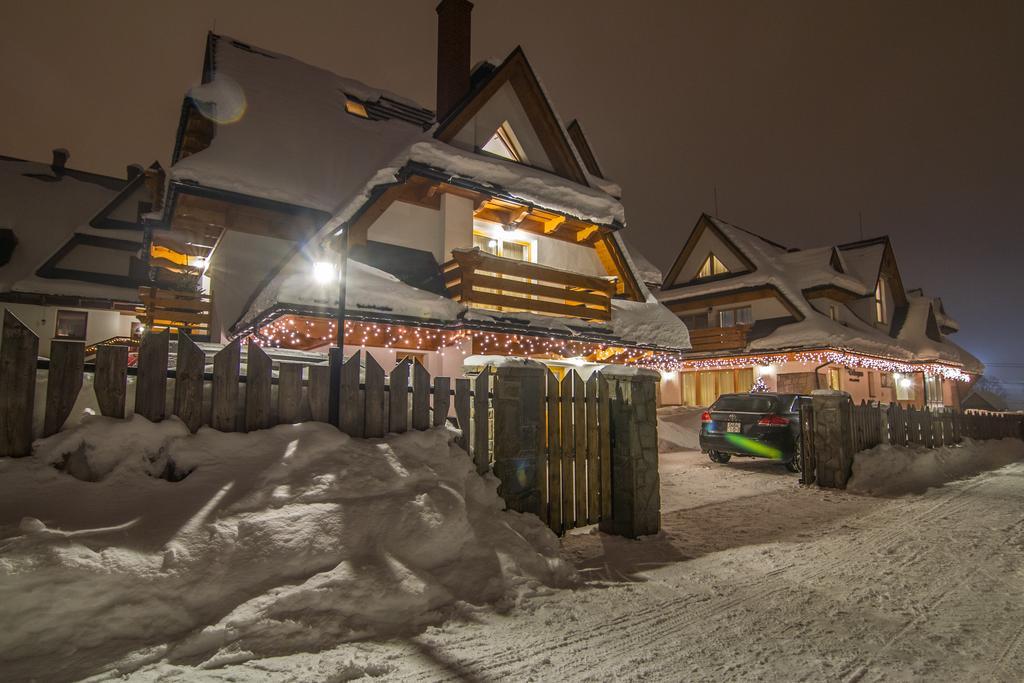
x: 719, y: 338
x: 168, y: 309
x: 475, y: 277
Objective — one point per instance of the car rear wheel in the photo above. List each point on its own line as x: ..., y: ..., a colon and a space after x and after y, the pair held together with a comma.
x: 797, y: 461
x: 718, y: 457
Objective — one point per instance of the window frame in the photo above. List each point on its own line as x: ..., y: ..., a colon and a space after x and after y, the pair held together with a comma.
x: 733, y: 311
x: 880, y: 301
x: 714, y: 266
x: 57, y: 324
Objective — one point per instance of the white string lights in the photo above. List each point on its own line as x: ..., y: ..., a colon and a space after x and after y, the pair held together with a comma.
x: 301, y: 332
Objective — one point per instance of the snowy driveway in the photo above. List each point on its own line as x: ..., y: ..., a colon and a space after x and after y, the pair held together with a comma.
x: 753, y: 578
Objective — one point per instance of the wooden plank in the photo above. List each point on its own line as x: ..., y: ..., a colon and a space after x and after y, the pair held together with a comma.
x: 482, y: 261
x: 289, y: 393
x: 568, y: 454
x: 579, y: 419
x: 593, y: 453
x: 531, y: 289
x: 442, y: 400
x: 188, y: 383
x: 527, y: 304
x: 19, y: 351
x: 398, y: 400
x: 224, y: 394
x: 420, y: 397
x: 554, y: 456
x: 63, y: 382
x: 151, y: 387
x: 373, y: 412
x: 258, y: 378
x: 481, y: 421
x: 463, y: 403
x: 352, y: 415
x: 111, y: 382
x: 319, y: 392
x: 604, y: 436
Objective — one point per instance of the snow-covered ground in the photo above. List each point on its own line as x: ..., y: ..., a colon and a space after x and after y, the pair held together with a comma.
x: 752, y: 578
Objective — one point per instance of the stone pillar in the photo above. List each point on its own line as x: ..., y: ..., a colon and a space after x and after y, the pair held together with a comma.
x: 456, y: 224
x: 833, y: 437
x: 519, y: 424
x: 636, y: 494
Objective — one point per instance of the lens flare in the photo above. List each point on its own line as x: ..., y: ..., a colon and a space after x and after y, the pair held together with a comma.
x: 222, y: 100
x: 753, y: 447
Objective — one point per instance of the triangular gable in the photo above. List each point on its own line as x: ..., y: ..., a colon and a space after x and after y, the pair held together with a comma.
x: 123, y: 211
x: 539, y: 122
x: 688, y: 254
x: 583, y: 148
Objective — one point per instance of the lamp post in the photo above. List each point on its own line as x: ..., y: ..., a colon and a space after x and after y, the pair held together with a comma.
x: 336, y: 355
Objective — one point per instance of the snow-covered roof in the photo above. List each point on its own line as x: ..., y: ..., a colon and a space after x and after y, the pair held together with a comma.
x: 645, y: 270
x: 373, y: 294
x: 283, y: 134
x: 46, y: 210
x: 794, y: 272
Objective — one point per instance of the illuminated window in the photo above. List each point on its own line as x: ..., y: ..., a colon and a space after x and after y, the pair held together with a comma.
x: 504, y: 143
x: 356, y: 108
x: 735, y: 316
x: 880, y: 301
x: 834, y: 379
x: 71, y: 325
x: 905, y: 387
x: 712, y: 266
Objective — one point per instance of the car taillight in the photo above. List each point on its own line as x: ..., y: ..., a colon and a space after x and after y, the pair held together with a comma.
x: 705, y: 417
x: 773, y: 421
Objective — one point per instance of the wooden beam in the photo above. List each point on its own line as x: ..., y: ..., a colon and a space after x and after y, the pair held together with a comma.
x: 582, y: 235
x: 552, y: 224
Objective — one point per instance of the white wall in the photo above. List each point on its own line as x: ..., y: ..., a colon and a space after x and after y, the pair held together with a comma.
x: 416, y: 227
x: 239, y: 266
x: 101, y: 325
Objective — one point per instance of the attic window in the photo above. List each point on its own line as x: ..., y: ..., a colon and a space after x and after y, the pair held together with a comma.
x: 505, y: 144
x: 712, y: 266
x: 356, y: 108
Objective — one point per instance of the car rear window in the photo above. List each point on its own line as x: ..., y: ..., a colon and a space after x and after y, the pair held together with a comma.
x: 746, y: 404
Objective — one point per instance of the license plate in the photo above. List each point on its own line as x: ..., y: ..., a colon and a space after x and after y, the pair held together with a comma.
x: 733, y: 427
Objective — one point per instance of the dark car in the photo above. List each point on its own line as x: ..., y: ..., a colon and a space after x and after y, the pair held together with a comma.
x: 756, y: 425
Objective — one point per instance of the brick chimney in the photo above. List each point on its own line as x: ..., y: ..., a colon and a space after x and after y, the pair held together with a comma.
x: 453, y: 33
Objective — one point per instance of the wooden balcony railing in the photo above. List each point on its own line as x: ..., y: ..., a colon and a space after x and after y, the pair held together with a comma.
x: 476, y: 277
x: 167, y: 309
x: 719, y: 338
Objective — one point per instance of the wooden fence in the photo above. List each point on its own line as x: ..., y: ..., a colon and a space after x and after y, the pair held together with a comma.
x: 570, y: 460
x: 871, y: 425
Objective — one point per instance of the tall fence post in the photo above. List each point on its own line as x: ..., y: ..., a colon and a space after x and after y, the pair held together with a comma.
x: 63, y: 382
x: 18, y: 355
x: 636, y: 498
x: 111, y: 381
x: 151, y: 385
x: 190, y: 367
x: 833, y: 437
x: 519, y: 425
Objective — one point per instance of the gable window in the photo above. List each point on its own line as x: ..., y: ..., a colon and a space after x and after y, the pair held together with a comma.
x: 356, y: 108
x: 712, y: 266
x: 505, y: 144
x: 735, y: 316
x: 71, y: 325
x: 880, y: 301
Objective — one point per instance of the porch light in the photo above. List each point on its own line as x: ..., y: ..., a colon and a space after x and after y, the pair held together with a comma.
x: 324, y: 272
x: 906, y: 382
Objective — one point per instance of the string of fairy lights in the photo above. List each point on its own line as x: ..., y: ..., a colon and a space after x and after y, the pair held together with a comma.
x: 295, y: 332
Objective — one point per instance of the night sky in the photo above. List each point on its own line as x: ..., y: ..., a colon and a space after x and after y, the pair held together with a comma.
x: 802, y: 114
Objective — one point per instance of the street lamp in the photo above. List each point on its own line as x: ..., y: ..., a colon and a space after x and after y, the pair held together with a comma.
x: 336, y: 355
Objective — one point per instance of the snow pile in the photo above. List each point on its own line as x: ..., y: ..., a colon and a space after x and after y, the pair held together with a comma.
x: 281, y: 541
x: 889, y: 470
x: 679, y: 428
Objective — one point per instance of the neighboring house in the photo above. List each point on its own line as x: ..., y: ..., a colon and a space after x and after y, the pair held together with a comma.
x: 486, y: 229
x: 984, y: 402
x: 70, y: 243
x: 831, y: 317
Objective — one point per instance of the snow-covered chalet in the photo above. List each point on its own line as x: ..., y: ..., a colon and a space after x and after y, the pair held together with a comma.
x: 484, y: 228
x: 835, y: 317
